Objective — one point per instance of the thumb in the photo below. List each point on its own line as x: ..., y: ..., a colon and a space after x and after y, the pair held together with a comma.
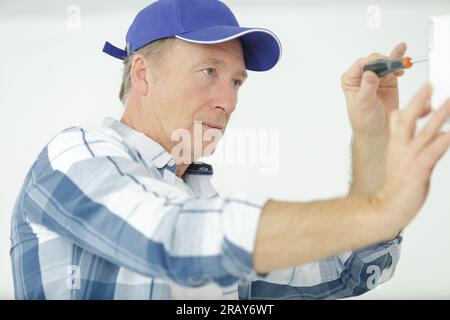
x: 368, y: 89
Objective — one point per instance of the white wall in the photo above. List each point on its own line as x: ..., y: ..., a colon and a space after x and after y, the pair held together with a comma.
x: 52, y: 77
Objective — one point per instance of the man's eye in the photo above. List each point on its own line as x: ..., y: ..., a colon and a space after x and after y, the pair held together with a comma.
x: 209, y: 72
x: 237, y: 83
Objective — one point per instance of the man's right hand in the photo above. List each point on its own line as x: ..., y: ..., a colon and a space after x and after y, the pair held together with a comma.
x: 295, y: 233
x: 411, y: 158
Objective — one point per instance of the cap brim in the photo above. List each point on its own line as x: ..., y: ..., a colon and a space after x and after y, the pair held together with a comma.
x: 262, y: 48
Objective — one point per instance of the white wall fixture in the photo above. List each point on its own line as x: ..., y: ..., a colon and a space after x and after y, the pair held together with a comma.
x: 439, y: 59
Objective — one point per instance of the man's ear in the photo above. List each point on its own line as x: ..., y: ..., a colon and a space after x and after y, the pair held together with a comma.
x: 138, y: 74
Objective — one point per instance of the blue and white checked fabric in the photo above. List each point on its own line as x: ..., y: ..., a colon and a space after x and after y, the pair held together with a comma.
x: 101, y: 215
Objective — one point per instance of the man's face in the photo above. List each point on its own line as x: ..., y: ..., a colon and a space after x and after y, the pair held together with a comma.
x: 196, y: 87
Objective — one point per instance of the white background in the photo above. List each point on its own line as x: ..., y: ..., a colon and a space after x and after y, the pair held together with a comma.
x: 53, y: 76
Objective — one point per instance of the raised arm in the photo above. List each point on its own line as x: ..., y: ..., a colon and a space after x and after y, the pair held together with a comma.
x: 296, y: 233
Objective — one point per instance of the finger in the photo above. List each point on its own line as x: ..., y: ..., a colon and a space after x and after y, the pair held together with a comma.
x: 367, y: 95
x: 408, y: 117
x: 428, y: 132
x: 356, y: 70
x: 394, y: 125
x: 398, y: 51
x: 426, y: 111
x: 434, y: 152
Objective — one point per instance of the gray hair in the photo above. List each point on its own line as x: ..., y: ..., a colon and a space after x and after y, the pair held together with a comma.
x: 154, y: 50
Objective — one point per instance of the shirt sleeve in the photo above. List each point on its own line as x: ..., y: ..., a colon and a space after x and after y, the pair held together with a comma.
x: 341, y: 276
x: 87, y: 187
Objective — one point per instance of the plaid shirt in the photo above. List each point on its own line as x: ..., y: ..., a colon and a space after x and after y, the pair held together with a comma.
x: 102, y: 215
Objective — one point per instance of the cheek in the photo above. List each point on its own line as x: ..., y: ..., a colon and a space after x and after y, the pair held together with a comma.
x: 192, y: 97
x: 182, y: 100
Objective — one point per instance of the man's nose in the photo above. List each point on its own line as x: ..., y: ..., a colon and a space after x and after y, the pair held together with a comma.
x: 226, y: 98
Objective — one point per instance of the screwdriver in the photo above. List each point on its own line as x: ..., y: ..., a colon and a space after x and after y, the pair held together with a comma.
x: 384, y: 67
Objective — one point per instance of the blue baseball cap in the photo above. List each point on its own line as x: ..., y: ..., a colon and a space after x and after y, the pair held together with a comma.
x: 198, y: 21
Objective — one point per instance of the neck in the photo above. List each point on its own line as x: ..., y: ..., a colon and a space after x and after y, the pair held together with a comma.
x: 135, y: 122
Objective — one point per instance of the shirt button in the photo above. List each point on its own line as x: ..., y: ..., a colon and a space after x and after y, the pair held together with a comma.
x: 171, y: 162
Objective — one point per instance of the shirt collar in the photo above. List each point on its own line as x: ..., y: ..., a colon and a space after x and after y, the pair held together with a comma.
x: 152, y: 150
x: 146, y: 146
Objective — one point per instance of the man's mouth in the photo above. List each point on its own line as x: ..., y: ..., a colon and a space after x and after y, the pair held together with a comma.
x: 212, y: 125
